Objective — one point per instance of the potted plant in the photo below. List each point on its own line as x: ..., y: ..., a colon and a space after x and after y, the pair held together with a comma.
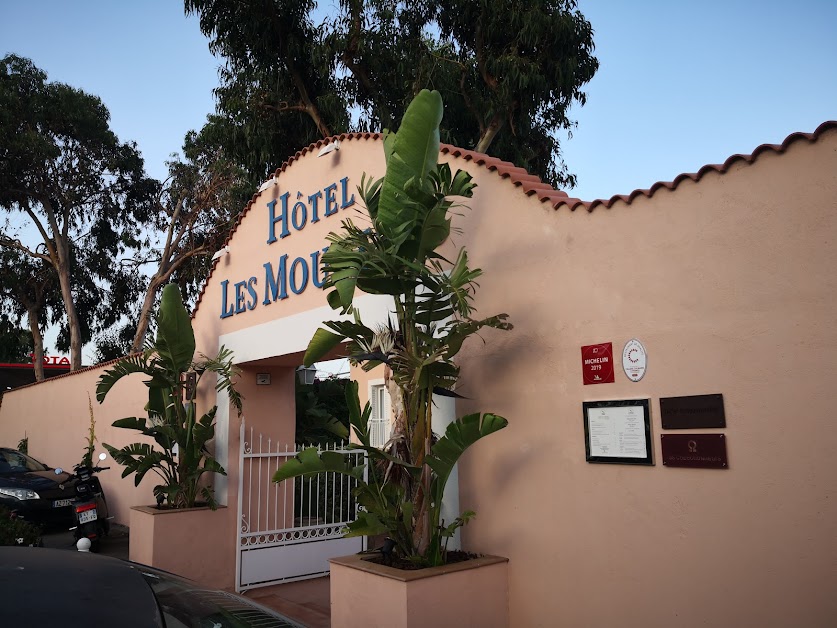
x: 398, y: 255
x: 181, y: 457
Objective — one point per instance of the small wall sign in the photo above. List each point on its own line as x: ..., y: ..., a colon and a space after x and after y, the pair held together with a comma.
x: 262, y: 379
x: 618, y: 432
x: 634, y: 360
x: 597, y: 363
x: 693, y: 412
x: 697, y: 451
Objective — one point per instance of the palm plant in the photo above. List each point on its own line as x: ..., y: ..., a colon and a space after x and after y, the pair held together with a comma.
x: 182, y: 456
x: 409, y: 211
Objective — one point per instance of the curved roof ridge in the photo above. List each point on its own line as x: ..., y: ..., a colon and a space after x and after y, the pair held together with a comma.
x: 285, y: 165
x: 575, y: 203
x: 532, y: 184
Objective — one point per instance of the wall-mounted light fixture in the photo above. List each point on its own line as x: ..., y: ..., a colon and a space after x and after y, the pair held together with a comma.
x: 221, y: 252
x: 306, y: 375
x: 267, y: 184
x: 329, y: 148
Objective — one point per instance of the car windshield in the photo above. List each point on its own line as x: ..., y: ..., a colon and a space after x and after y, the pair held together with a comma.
x: 187, y: 605
x: 12, y: 461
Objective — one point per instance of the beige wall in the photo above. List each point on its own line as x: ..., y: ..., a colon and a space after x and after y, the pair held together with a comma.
x: 730, y: 285
x: 56, y: 416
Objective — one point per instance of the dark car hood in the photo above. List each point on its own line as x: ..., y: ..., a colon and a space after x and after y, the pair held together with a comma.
x: 36, y: 480
x: 52, y: 587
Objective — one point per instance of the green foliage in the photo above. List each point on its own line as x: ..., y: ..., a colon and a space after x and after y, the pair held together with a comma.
x: 321, y: 413
x: 172, y: 420
x: 398, y: 256
x: 28, y: 291
x: 66, y: 177
x: 509, y: 71
x: 387, y: 507
x: 23, y: 445
x: 15, y: 343
x: 15, y: 531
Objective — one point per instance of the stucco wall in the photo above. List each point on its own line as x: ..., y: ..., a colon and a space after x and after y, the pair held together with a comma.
x: 56, y: 416
x: 730, y: 284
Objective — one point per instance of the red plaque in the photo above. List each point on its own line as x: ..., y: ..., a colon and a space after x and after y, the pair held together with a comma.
x: 698, y: 451
x: 597, y: 363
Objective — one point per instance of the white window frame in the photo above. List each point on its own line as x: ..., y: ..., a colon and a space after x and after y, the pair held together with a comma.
x: 380, y: 421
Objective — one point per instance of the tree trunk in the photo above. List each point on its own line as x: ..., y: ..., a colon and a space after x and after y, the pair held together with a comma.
x: 37, y: 343
x: 63, y: 270
x: 490, y: 133
x: 145, y: 315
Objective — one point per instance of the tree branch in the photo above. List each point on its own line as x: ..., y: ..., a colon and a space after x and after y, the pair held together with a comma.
x: 284, y: 106
x: 489, y: 134
x: 10, y: 243
x: 358, y: 69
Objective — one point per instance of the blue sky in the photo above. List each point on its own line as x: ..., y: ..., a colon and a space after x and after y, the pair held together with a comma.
x: 681, y: 84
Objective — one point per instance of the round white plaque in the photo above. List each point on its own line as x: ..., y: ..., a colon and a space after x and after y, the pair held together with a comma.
x: 634, y: 360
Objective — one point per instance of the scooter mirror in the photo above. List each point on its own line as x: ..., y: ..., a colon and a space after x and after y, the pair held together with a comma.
x: 102, y: 456
x: 58, y: 471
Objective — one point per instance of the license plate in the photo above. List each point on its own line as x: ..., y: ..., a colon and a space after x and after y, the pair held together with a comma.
x: 59, y: 503
x: 88, y: 515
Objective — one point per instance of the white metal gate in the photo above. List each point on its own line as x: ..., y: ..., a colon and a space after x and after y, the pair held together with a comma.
x: 288, y: 531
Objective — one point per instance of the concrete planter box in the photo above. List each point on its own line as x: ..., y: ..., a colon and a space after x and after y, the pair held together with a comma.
x: 197, y: 543
x: 470, y: 593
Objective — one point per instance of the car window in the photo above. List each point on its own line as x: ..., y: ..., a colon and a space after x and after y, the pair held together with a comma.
x: 15, y: 462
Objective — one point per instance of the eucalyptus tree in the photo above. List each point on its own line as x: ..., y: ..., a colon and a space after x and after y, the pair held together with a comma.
x: 15, y: 342
x: 509, y: 70
x: 66, y: 177
x: 28, y: 290
x: 193, y: 212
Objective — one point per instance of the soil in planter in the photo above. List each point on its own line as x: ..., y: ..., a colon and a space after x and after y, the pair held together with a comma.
x: 167, y: 507
x: 453, y: 556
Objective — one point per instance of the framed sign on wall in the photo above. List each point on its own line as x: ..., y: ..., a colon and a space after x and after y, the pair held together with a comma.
x: 618, y: 432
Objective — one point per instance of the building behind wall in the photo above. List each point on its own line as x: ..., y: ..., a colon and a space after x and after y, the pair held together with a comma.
x: 726, y: 276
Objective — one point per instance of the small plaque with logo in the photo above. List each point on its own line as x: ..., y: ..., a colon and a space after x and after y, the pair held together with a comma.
x: 597, y: 363
x: 697, y: 451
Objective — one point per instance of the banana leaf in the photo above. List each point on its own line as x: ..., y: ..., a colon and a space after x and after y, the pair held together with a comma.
x: 411, y: 152
x: 175, y: 337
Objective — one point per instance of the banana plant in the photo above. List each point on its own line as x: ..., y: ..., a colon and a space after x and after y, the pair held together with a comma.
x: 385, y: 506
x: 398, y: 254
x: 182, y: 456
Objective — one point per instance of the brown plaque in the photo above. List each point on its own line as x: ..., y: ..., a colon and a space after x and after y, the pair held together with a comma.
x: 695, y: 412
x: 700, y: 451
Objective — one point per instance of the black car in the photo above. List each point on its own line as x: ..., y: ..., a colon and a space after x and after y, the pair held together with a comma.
x: 34, y: 491
x: 51, y: 587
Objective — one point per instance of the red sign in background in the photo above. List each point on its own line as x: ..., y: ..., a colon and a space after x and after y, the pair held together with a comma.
x: 597, y: 363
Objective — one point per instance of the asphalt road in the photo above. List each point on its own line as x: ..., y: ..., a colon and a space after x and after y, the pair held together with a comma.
x: 115, y: 544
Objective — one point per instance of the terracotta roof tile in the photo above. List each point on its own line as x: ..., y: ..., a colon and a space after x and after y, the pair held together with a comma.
x: 575, y: 203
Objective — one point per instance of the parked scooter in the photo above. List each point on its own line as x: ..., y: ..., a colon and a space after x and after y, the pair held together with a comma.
x: 90, y: 505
